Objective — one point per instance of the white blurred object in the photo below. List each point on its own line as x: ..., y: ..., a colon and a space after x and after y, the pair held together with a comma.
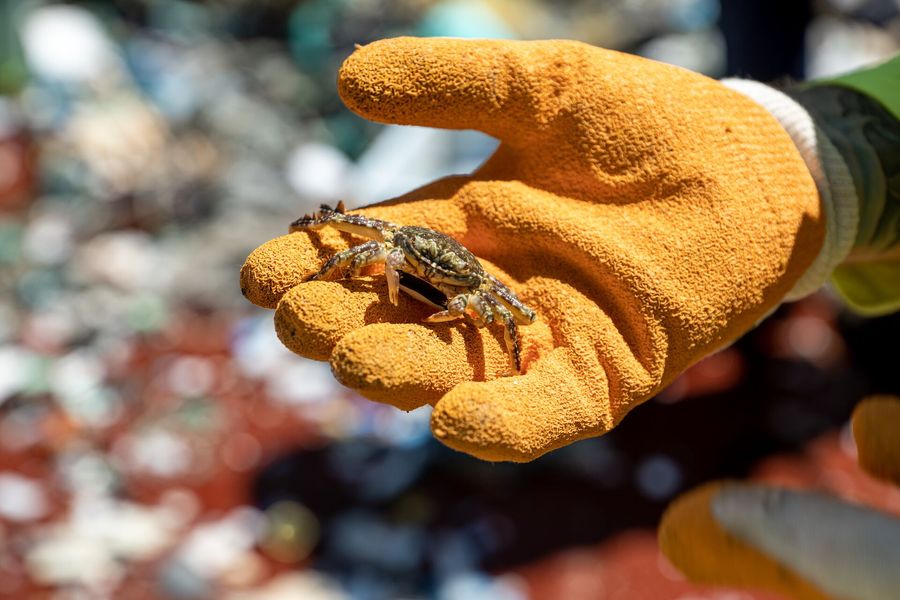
x: 191, y: 376
x: 100, y: 534
x: 213, y: 548
x: 401, y: 159
x: 68, y: 43
x: 467, y: 584
x: 128, y: 530
x: 16, y: 364
x: 21, y: 498
x: 308, y: 585
x: 256, y: 348
x: 302, y: 381
x: 290, y: 379
x: 398, y: 160
x: 700, y: 51
x: 318, y: 172
x: 157, y: 451
x: 85, y: 472
x: 124, y: 142
x: 63, y: 557
x: 128, y: 260
x: 77, y: 381
x: 837, y: 46
x: 48, y: 239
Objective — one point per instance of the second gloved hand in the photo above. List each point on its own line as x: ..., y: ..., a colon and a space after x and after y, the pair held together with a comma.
x: 649, y: 215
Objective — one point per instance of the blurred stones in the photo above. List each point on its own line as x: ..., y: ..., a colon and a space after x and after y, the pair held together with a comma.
x: 308, y: 585
x: 21, y: 498
x: 17, y: 158
x: 318, y: 171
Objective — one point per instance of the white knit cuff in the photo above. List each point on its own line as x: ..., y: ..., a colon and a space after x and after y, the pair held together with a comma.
x: 828, y: 169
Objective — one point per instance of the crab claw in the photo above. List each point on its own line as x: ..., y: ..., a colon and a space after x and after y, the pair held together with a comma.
x: 392, y: 263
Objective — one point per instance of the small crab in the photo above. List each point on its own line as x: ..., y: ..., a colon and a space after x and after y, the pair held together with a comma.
x: 429, y: 266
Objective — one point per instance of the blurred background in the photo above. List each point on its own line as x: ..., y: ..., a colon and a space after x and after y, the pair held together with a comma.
x: 156, y: 440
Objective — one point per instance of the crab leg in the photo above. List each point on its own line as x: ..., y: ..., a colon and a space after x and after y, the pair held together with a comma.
x: 441, y: 316
x: 456, y: 309
x: 510, y: 331
x: 337, y: 218
x: 522, y: 314
x: 363, y: 252
x: 374, y: 254
x: 480, y: 311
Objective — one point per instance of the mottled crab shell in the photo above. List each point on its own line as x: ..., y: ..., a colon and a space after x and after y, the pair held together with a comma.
x: 438, y: 257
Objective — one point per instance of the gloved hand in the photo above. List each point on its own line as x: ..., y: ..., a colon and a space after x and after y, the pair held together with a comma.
x: 800, y: 544
x: 648, y: 214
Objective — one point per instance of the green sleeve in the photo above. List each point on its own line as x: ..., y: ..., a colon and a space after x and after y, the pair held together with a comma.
x: 13, y: 74
x: 860, y: 114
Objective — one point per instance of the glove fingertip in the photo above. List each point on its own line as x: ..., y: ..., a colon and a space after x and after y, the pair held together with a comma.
x: 276, y: 267
x: 360, y: 80
x: 875, y: 423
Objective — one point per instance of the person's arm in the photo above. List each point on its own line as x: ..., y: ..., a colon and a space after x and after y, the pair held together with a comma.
x: 859, y: 113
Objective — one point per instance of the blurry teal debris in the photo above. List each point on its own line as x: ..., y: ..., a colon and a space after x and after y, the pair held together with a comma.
x: 310, y: 34
x: 179, y: 582
x: 197, y: 415
x: 23, y: 372
x: 183, y: 20
x: 692, y: 15
x: 465, y: 19
x: 40, y: 288
x: 11, y: 234
x: 147, y: 313
x: 349, y: 133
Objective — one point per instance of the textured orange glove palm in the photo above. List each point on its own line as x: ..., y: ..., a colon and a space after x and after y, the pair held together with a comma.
x: 648, y: 214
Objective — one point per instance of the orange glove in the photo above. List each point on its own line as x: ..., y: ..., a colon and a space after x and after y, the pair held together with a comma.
x: 804, y: 545
x: 648, y: 214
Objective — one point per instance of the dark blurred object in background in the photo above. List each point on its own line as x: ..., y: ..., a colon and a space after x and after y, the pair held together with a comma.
x: 765, y: 39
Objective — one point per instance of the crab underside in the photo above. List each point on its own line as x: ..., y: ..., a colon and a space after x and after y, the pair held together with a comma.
x: 427, y: 265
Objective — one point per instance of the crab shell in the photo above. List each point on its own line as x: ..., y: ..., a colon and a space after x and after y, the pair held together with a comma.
x: 429, y: 266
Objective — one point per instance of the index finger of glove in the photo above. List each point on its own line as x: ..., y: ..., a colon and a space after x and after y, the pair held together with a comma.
x: 287, y: 261
x: 501, y: 87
